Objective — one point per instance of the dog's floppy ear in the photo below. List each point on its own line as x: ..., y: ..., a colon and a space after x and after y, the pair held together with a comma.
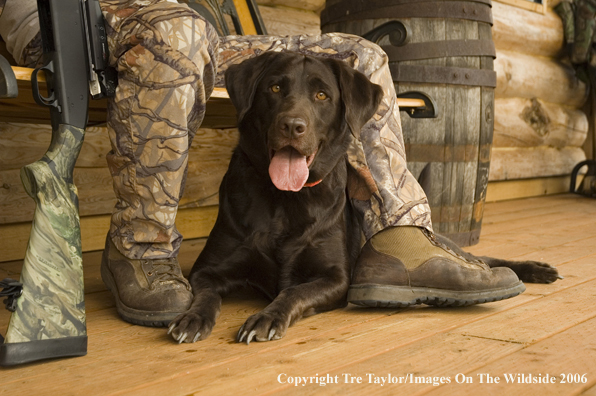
x: 360, y: 97
x: 242, y: 80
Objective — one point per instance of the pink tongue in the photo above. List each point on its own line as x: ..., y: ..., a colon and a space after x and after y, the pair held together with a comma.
x: 288, y: 169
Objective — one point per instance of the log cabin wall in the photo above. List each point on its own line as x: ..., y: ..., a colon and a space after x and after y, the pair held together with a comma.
x: 539, y: 130
x: 22, y: 144
x: 539, y: 126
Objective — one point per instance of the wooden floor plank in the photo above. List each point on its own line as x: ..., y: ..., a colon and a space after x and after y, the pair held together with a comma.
x: 493, y: 209
x: 432, y: 359
x: 543, y: 223
x: 557, y: 254
x: 570, y: 352
x: 321, y: 353
x: 126, y: 359
x: 527, y: 208
x: 533, y: 322
x: 258, y: 371
x: 516, y: 242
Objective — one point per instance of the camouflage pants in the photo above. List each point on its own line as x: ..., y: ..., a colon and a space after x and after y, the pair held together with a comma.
x: 169, y: 59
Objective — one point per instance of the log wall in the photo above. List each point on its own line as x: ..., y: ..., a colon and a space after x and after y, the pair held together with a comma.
x: 22, y: 144
x: 288, y: 17
x: 539, y: 127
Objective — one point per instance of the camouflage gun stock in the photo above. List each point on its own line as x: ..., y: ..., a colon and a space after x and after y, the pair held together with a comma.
x: 48, y: 318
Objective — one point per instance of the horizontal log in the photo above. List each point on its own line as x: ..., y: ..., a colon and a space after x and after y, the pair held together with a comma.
x: 209, y: 160
x: 96, y: 195
x: 192, y: 223
x: 526, y: 76
x: 22, y: 144
x: 526, y: 31
x: 281, y: 21
x: 526, y: 188
x: 533, y: 122
x: 309, y: 5
x: 525, y: 163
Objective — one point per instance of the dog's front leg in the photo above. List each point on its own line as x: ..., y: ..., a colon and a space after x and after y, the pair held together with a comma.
x: 198, y: 321
x: 209, y: 284
x: 291, y: 304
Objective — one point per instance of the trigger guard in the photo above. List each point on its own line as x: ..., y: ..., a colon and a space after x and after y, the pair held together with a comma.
x: 37, y: 96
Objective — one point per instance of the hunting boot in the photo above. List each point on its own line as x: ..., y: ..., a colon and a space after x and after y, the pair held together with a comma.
x: 403, y: 266
x: 148, y: 292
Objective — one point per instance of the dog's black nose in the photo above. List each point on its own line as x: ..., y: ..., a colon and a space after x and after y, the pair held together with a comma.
x: 292, y: 127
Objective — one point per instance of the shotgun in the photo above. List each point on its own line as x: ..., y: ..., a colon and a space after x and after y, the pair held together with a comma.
x: 48, y: 305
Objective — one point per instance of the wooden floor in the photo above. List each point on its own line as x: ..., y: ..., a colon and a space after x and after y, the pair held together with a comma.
x: 548, y: 330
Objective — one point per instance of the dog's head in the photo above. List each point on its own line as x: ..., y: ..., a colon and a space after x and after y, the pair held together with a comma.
x: 296, y: 112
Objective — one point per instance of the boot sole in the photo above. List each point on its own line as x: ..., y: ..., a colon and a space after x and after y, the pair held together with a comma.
x: 384, y: 296
x: 131, y: 315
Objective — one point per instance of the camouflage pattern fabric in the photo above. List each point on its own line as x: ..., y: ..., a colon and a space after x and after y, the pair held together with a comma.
x: 165, y: 55
x: 32, y: 54
x: 579, y: 27
x: 168, y: 60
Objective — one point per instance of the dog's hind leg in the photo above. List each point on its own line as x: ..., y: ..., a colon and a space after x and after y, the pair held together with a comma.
x: 526, y: 271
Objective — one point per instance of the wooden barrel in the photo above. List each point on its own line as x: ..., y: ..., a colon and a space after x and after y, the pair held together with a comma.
x: 444, y: 49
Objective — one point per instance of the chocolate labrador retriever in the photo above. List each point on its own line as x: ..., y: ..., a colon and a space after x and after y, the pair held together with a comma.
x: 285, y: 225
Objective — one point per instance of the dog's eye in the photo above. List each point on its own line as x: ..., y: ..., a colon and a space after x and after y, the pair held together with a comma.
x: 275, y: 88
x: 321, y: 95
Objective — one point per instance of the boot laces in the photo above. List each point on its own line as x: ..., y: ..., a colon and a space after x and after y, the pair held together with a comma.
x: 163, y: 270
x: 434, y: 241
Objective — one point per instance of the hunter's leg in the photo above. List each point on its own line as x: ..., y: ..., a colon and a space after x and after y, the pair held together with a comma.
x: 164, y: 53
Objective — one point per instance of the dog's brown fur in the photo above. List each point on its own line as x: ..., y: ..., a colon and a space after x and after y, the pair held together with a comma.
x: 295, y: 247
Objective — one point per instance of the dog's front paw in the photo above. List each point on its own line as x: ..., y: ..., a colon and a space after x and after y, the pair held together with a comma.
x: 190, y: 327
x: 263, y: 326
x: 536, y: 272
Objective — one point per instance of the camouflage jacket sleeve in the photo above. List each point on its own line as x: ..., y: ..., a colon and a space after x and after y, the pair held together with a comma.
x: 565, y: 10
x: 579, y: 26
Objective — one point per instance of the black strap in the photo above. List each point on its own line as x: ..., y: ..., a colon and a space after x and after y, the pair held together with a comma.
x: 440, y: 49
x: 11, y: 289
x: 443, y: 75
x: 349, y: 10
